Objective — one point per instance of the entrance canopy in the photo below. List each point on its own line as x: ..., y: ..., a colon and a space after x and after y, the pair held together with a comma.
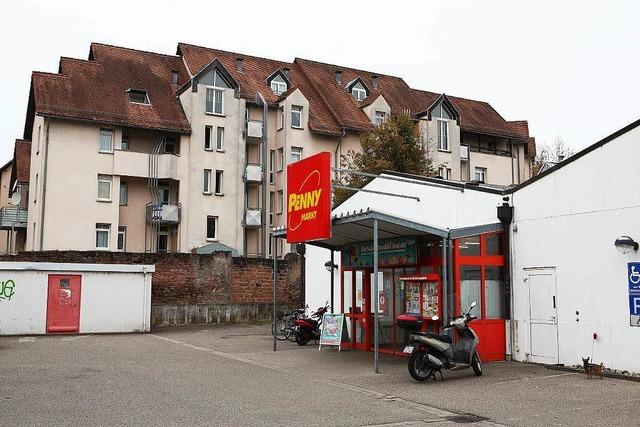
x: 357, y: 226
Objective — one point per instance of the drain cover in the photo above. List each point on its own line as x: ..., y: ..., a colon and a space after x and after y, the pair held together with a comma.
x: 466, y: 418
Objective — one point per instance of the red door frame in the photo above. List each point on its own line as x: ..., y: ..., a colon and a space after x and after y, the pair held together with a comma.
x: 362, y: 317
x: 54, y: 299
x: 490, y: 331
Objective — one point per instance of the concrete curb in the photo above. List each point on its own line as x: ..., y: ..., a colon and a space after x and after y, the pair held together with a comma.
x: 604, y: 374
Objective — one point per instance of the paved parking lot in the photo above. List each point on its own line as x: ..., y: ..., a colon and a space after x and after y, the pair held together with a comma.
x: 228, y: 375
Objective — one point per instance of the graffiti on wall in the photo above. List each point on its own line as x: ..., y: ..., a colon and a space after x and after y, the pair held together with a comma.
x: 7, y: 289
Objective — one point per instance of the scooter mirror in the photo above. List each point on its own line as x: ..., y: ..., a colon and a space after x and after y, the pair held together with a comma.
x: 473, y: 305
x: 435, y: 318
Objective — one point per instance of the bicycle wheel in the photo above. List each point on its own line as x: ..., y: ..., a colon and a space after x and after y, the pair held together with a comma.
x: 279, y: 328
x: 293, y: 333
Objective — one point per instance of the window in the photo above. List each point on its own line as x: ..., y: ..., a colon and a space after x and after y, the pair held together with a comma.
x: 106, y: 140
x: 296, y: 116
x: 494, y: 292
x: 219, y: 81
x: 379, y: 117
x: 280, y: 118
x: 163, y: 188
x: 469, y: 246
x: 272, y: 206
x: 102, y: 236
x: 170, y: 146
x: 272, y: 166
x: 481, y: 174
x: 470, y: 289
x: 296, y: 154
x: 138, y: 96
x: 443, y: 135
x: 124, y: 145
x: 220, y: 138
x: 207, y: 137
x: 124, y: 193
x: 218, y: 186
x: 163, y: 240
x: 214, y: 101
x: 104, y: 188
x: 207, y: 182
x: 280, y: 159
x: 122, y: 238
x: 445, y: 172
x: 280, y: 201
x: 278, y: 85
x: 174, y: 77
x: 441, y: 112
x: 212, y: 227
x: 358, y: 91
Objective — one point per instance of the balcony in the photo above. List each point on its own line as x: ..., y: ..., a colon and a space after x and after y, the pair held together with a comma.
x: 464, y: 152
x: 253, y: 217
x: 254, y: 131
x: 253, y: 174
x: 164, y: 214
x: 13, y: 216
x: 136, y: 164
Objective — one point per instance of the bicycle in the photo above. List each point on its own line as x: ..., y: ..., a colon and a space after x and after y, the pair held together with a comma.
x: 284, y: 327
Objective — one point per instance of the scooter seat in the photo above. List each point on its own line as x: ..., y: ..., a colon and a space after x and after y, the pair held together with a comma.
x: 443, y: 338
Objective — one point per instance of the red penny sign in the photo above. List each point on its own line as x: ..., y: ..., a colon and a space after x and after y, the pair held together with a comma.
x: 309, y: 199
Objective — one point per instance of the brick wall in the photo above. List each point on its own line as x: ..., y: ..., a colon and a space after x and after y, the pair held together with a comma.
x: 201, y: 289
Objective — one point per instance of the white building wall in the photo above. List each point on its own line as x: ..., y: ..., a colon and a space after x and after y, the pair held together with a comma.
x: 113, y: 298
x: 569, y: 220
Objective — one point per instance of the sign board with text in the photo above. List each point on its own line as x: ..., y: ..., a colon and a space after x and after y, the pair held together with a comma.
x: 633, y: 275
x: 333, y: 331
x: 309, y: 199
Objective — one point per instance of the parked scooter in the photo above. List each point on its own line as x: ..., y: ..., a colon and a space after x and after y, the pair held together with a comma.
x: 430, y: 352
x: 309, y: 328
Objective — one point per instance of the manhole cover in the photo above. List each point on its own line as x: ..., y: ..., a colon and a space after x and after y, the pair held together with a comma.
x: 466, y: 418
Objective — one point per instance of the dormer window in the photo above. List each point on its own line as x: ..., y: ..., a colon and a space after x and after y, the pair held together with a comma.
x: 278, y: 85
x: 138, y: 96
x: 358, y: 91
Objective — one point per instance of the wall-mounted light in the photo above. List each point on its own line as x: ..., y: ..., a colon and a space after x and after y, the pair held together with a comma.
x: 330, y: 266
x: 625, y: 244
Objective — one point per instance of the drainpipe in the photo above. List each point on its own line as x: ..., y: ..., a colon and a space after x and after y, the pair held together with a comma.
x: 505, y: 215
x: 44, y: 184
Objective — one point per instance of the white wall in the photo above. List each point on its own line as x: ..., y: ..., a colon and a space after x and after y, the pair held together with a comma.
x: 113, y: 298
x: 569, y: 220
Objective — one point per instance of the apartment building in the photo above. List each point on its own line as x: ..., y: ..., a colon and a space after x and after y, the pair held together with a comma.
x: 140, y: 151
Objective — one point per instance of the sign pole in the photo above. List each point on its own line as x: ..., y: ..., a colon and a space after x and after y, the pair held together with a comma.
x: 274, y: 249
x: 375, y: 295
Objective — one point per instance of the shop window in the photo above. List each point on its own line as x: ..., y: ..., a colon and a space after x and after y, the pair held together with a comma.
x: 470, y: 279
x: 494, y: 292
x: 469, y: 246
x: 494, y: 244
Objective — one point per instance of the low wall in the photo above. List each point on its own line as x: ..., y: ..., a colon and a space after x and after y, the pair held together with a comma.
x: 192, y: 289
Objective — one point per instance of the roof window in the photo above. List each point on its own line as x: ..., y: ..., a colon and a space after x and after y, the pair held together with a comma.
x: 358, y: 91
x: 138, y: 96
x: 278, y: 85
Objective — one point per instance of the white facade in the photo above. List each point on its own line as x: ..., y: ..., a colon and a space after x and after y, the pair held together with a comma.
x: 567, y: 222
x: 113, y: 298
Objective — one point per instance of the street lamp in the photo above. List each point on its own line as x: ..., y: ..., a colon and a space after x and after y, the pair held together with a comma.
x: 625, y: 244
x: 329, y: 265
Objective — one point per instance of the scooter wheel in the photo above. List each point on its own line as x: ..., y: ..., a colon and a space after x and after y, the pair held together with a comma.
x: 419, y: 369
x: 476, y: 364
x: 303, y: 337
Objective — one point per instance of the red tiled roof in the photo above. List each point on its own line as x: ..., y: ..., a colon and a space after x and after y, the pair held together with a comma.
x: 21, y: 162
x: 95, y: 90
x: 521, y: 127
x: 531, y: 147
x: 332, y: 107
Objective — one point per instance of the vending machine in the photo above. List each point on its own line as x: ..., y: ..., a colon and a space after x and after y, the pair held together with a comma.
x: 422, y: 301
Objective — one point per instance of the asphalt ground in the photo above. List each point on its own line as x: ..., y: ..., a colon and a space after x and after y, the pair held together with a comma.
x: 229, y: 375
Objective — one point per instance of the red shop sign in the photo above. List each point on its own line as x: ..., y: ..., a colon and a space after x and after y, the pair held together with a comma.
x: 309, y: 199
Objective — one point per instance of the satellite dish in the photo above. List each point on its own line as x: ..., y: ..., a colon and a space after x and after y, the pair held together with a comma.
x: 15, y: 198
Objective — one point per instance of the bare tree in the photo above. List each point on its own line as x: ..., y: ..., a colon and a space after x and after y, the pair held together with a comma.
x: 553, y: 153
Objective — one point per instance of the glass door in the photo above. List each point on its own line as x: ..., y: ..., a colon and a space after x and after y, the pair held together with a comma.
x: 385, y: 308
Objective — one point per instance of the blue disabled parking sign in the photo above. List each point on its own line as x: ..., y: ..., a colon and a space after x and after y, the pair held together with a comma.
x: 633, y: 274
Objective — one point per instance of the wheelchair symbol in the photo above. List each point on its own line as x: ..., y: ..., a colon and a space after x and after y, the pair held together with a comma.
x: 634, y: 277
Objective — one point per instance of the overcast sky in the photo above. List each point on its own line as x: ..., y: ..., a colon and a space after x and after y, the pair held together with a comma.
x: 569, y: 68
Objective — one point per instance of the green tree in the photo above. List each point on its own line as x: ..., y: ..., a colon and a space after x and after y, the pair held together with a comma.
x: 395, y: 145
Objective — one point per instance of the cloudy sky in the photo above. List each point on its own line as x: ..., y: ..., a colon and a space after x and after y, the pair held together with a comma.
x: 571, y: 68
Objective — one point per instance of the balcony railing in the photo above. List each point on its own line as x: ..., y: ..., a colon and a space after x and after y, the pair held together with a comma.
x: 164, y: 214
x: 464, y: 152
x: 133, y: 163
x: 254, y: 131
x: 253, y: 173
x: 13, y: 216
x: 253, y: 217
